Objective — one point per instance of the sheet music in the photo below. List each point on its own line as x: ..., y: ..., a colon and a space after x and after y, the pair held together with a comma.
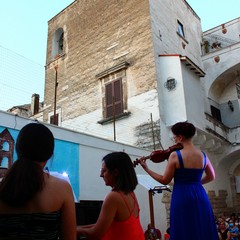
x: 149, y: 183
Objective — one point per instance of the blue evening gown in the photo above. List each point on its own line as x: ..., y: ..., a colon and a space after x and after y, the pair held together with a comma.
x: 191, y: 215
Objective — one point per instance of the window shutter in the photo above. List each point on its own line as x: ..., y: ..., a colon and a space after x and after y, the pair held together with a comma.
x: 109, y: 99
x: 114, y: 98
x: 118, y: 98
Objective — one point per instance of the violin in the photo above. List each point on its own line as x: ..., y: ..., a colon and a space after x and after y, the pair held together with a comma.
x: 158, y: 156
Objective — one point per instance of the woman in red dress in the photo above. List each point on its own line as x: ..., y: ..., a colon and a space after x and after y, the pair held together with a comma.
x: 119, y: 217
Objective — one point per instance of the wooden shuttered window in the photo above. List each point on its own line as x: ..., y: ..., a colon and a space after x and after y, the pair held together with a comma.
x: 114, y: 98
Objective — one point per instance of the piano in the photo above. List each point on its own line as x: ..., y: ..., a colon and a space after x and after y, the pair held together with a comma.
x: 87, y: 212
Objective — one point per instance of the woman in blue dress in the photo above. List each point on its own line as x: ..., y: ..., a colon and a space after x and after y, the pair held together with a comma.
x: 191, y: 215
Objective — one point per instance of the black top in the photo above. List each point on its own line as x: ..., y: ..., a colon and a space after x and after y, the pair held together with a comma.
x: 223, y: 234
x: 31, y: 226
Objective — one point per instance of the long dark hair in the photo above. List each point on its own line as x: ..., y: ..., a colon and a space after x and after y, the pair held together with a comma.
x: 35, y: 144
x: 126, y: 179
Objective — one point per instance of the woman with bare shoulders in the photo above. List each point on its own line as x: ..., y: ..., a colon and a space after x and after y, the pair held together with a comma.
x: 119, y: 217
x: 34, y: 204
x: 191, y: 215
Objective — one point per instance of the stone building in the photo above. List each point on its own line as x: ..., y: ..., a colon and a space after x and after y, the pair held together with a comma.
x: 102, y: 73
x: 128, y: 70
x: 33, y: 109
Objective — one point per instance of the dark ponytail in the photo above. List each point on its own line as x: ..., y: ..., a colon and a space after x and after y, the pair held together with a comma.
x: 35, y: 144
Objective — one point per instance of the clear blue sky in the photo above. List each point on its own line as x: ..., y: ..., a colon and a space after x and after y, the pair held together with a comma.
x: 24, y: 26
x: 215, y: 12
x: 23, y: 42
x: 23, y: 32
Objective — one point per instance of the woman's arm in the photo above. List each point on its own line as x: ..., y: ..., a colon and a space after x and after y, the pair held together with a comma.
x: 228, y: 235
x: 220, y: 236
x: 106, y: 217
x: 209, y: 173
x: 169, y: 171
x: 68, y: 214
x: 87, y: 226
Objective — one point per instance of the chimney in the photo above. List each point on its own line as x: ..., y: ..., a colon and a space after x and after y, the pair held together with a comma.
x: 35, y: 104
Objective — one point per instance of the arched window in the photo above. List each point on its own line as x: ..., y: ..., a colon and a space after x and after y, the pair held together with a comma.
x: 58, y: 43
x: 5, y: 162
x: 5, y: 146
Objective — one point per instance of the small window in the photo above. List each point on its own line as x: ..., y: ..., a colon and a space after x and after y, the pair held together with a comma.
x: 216, y: 113
x: 114, y: 98
x: 58, y: 43
x: 180, y: 29
x: 54, y: 119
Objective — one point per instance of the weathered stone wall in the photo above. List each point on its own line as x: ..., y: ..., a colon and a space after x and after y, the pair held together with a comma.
x: 97, y: 36
x: 148, y: 135
x: 100, y: 35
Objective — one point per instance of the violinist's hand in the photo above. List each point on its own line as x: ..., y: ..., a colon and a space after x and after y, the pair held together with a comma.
x: 143, y: 163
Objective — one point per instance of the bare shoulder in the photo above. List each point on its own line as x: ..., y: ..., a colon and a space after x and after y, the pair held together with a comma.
x: 203, y: 154
x: 58, y: 184
x: 114, y: 198
x: 173, y: 158
x: 58, y: 180
x: 173, y: 154
x: 56, y: 192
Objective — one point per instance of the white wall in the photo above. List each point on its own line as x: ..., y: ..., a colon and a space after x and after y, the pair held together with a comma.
x: 194, y: 97
x: 140, y: 107
x: 171, y: 103
x: 164, y: 16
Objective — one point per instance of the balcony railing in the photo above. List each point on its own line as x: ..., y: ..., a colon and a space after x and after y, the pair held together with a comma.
x: 230, y: 135
x: 214, y: 42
